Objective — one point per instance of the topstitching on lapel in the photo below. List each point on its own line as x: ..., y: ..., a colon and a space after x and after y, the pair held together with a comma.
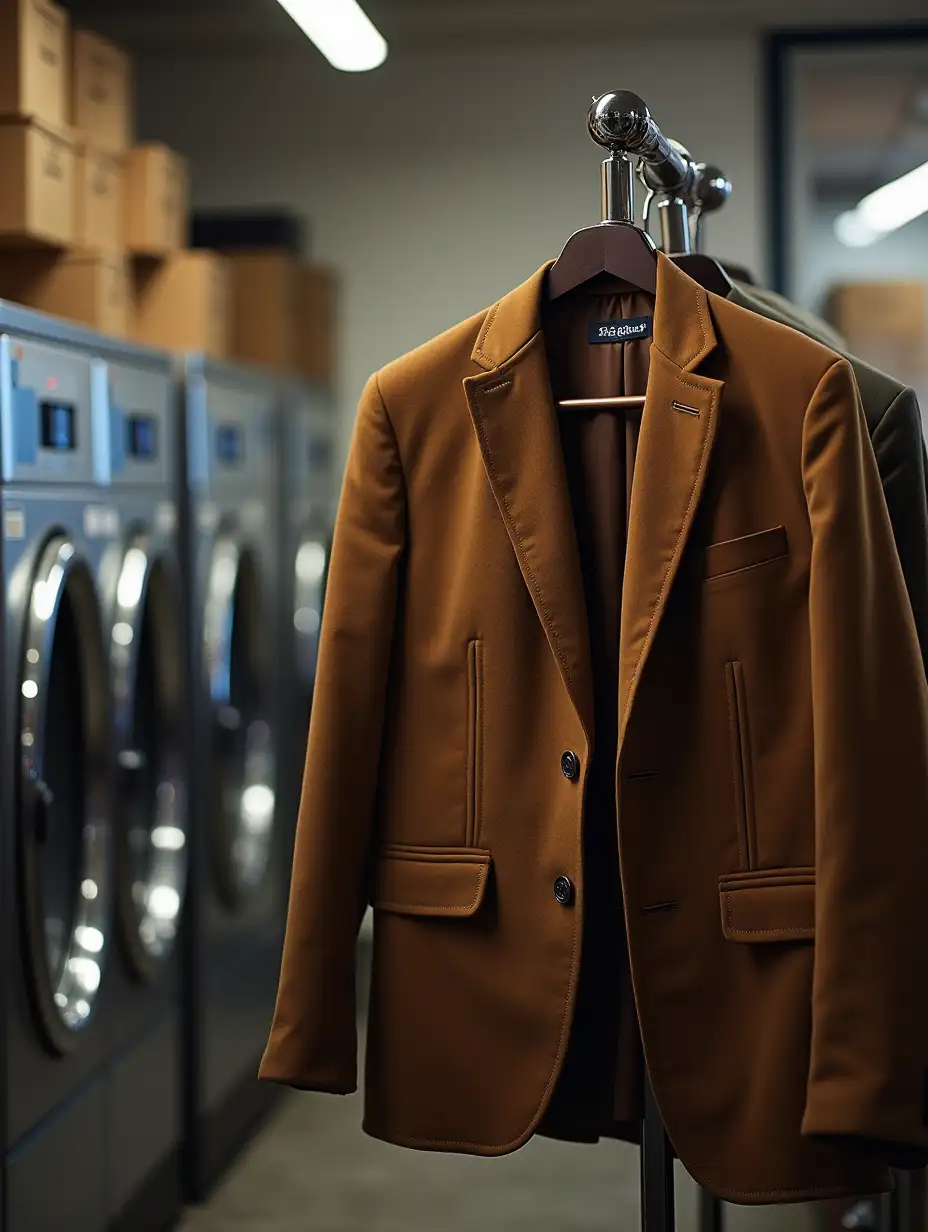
x: 678, y: 427
x: 516, y: 426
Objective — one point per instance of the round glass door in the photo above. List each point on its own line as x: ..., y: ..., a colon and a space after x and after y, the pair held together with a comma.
x: 235, y: 635
x: 64, y: 798
x: 146, y: 659
x: 309, y: 584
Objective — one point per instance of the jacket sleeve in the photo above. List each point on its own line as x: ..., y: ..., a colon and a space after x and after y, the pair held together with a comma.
x: 869, y: 1045
x: 313, y: 1039
x: 900, y: 454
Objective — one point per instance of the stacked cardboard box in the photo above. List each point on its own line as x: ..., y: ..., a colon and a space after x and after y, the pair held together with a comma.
x: 92, y: 225
x: 181, y: 298
x: 36, y: 147
x: 91, y: 283
x: 283, y: 313
x: 182, y: 303
x: 66, y: 117
x: 317, y: 317
x: 885, y: 323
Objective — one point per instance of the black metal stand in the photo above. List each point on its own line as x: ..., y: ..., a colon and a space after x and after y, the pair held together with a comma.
x: 918, y: 1199
x: 657, y: 1205
x: 657, y: 1191
x: 899, y: 1213
x: 903, y: 1210
x: 710, y: 1212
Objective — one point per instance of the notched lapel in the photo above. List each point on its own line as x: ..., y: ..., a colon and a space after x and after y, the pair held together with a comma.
x: 678, y: 427
x: 516, y: 425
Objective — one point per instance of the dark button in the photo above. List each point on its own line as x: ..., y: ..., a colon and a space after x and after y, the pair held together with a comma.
x: 564, y: 891
x: 570, y: 765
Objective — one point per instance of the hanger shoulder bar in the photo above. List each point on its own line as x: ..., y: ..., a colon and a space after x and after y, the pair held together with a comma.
x: 628, y: 401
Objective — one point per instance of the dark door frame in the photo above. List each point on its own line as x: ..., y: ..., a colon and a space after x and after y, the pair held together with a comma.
x: 779, y: 45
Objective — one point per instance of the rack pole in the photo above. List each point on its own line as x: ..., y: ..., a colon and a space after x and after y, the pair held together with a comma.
x: 657, y: 1196
x: 618, y: 192
x: 620, y: 122
x: 670, y: 193
x: 709, y: 191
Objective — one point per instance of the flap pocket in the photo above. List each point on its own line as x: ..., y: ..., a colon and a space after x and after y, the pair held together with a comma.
x: 733, y: 555
x: 439, y: 881
x: 771, y: 904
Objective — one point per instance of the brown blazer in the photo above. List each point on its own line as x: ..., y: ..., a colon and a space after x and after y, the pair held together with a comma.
x: 772, y: 760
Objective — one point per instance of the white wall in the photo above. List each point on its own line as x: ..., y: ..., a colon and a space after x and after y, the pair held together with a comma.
x: 445, y: 178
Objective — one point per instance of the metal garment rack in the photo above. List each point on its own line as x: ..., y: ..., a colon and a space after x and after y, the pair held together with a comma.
x: 621, y: 123
x: 683, y: 192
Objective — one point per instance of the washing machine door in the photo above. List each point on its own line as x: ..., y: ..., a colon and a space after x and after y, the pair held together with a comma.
x: 237, y: 634
x: 310, y: 567
x: 64, y: 793
x: 147, y: 668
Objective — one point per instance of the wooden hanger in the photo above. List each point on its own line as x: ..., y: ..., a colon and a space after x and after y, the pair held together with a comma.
x: 617, y: 248
x: 708, y: 192
x: 739, y: 273
x: 614, y: 246
x: 709, y: 273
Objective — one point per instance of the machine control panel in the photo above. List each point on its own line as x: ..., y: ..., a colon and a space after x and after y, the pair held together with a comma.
x: 138, y: 428
x: 309, y: 455
x: 230, y: 444
x: 232, y: 429
x: 46, y: 412
x: 59, y: 430
x: 142, y: 437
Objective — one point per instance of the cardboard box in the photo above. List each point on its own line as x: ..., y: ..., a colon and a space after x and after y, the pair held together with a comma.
x: 90, y: 288
x: 265, y: 302
x: 99, y: 198
x: 37, y: 184
x: 183, y: 303
x: 157, y: 193
x: 34, y: 60
x: 101, y: 92
x: 317, y: 314
x: 885, y: 312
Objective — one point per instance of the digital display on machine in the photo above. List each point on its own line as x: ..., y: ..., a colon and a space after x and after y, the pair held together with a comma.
x: 142, y: 433
x: 230, y: 444
x: 58, y: 426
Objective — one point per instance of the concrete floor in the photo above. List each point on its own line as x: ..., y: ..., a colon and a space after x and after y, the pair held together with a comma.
x: 312, y: 1170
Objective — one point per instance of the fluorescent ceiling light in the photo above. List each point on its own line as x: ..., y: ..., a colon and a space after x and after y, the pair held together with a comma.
x: 887, y: 209
x: 341, y: 30
x: 852, y: 231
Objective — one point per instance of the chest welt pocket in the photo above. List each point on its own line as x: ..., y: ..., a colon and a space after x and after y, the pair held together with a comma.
x: 734, y: 556
x: 432, y: 881
x: 768, y: 905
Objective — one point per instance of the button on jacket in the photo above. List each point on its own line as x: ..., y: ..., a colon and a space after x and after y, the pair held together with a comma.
x: 767, y: 752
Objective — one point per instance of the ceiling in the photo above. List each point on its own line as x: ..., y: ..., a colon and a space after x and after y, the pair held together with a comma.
x: 192, y: 24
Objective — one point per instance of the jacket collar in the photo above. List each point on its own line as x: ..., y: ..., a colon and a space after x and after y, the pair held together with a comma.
x: 683, y: 328
x: 515, y: 419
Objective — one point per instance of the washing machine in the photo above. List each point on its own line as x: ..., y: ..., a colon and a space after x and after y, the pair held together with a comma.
x: 144, y: 637
x: 235, y: 906
x: 308, y: 492
x: 57, y: 860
